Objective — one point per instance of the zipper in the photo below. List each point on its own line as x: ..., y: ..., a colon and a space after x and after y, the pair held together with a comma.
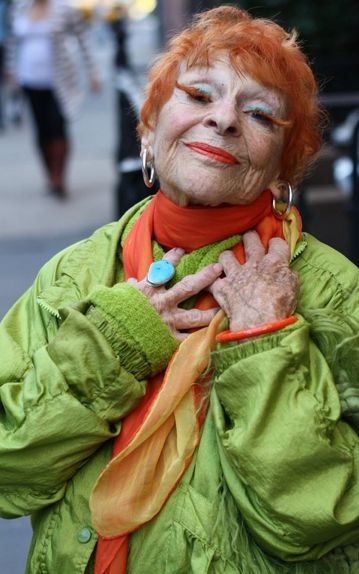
x: 300, y: 247
x: 46, y: 307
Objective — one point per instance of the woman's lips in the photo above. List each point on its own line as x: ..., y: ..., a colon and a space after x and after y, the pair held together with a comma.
x: 213, y: 152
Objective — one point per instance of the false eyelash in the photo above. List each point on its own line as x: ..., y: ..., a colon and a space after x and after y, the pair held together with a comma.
x: 194, y: 92
x: 270, y: 118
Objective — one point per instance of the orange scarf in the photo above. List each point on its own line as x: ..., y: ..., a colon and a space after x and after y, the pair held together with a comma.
x: 158, y: 439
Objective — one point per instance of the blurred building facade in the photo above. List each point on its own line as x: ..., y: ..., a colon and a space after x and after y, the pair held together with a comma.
x: 329, y: 35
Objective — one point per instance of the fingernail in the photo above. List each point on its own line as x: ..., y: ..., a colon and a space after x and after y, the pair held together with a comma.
x: 218, y: 268
x: 179, y: 250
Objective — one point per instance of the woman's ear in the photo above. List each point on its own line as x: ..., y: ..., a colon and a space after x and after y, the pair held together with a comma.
x: 147, y: 141
x: 276, y: 188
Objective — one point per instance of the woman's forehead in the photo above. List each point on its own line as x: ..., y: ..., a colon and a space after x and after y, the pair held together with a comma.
x: 220, y: 61
x: 220, y: 69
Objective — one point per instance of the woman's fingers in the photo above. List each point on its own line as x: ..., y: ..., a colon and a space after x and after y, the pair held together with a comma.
x: 279, y: 248
x: 180, y: 336
x: 194, y: 318
x: 193, y: 284
x: 254, y: 252
x: 174, y: 255
x: 278, y: 251
x: 278, y: 255
x: 183, y: 320
x: 253, y: 246
x: 229, y: 262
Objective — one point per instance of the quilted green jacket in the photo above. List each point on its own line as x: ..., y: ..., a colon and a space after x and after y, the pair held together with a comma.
x: 274, y: 484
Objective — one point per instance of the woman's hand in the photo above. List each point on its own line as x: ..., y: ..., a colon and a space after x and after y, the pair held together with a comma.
x: 262, y: 290
x: 166, y: 301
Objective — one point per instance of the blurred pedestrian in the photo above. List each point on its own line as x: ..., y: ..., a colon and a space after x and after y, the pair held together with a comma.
x: 39, y: 60
x: 117, y: 19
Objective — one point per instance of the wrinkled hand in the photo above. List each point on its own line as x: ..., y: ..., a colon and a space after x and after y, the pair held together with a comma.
x: 166, y: 301
x: 262, y: 290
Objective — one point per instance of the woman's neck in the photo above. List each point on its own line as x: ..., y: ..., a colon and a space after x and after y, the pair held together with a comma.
x: 177, y: 197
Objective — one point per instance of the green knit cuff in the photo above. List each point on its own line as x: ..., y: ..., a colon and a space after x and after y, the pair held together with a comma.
x: 136, y: 332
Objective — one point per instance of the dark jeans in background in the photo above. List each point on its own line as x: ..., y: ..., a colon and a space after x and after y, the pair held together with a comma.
x: 48, y: 118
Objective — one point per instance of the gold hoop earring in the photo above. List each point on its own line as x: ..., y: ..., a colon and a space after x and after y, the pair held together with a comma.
x: 148, y: 169
x: 281, y: 207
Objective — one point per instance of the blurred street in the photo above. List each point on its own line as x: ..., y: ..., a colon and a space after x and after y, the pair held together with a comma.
x: 35, y: 225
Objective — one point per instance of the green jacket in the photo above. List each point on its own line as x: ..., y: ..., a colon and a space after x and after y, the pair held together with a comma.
x: 274, y: 484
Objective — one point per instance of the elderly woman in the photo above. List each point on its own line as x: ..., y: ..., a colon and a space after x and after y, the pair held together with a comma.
x: 179, y: 392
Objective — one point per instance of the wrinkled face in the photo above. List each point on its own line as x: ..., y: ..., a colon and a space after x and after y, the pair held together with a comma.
x: 216, y: 139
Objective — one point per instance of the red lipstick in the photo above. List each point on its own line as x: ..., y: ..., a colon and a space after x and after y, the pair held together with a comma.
x: 215, y: 153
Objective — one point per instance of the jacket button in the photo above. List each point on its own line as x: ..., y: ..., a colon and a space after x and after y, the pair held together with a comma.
x: 84, y: 535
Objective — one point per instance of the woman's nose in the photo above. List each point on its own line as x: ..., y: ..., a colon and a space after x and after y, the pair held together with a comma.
x: 224, y: 118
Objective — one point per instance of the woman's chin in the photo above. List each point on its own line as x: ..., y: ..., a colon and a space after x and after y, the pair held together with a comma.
x: 184, y: 199
x: 199, y: 196
x: 210, y: 194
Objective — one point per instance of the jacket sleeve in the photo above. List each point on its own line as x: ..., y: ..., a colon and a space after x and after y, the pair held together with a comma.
x: 65, y: 384
x: 288, y: 453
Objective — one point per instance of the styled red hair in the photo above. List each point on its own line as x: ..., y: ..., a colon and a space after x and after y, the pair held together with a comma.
x: 260, y: 48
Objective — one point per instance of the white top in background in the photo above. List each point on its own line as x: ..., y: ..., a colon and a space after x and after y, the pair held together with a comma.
x: 34, y: 66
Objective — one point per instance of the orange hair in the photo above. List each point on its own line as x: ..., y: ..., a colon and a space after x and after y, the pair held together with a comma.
x: 260, y: 48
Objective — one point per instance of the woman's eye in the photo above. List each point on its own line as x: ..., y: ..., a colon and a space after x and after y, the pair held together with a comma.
x: 197, y: 94
x: 200, y: 96
x: 261, y: 117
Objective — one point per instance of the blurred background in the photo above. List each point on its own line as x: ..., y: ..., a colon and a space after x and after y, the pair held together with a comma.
x: 104, y: 175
